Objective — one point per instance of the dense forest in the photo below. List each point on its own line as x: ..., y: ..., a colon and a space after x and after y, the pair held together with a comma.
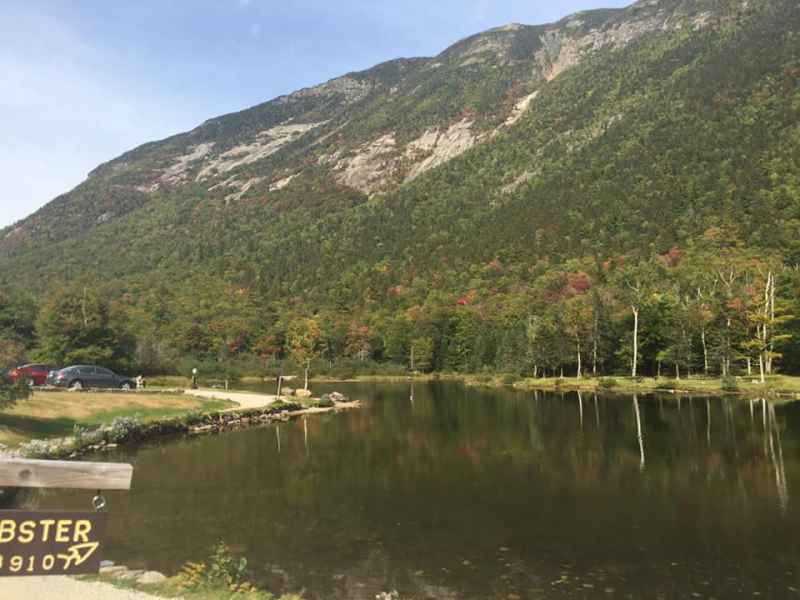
x: 636, y: 213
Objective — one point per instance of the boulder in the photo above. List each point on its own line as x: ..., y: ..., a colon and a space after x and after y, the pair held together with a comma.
x: 130, y: 575
x: 287, y: 391
x: 337, y: 397
x: 150, y: 578
x: 303, y: 393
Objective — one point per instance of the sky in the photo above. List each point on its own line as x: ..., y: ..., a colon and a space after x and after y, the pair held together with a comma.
x: 83, y: 81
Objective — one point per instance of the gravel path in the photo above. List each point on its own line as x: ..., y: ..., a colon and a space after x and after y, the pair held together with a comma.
x: 244, y: 400
x: 63, y: 588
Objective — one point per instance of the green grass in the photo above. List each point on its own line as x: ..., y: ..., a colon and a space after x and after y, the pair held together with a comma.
x: 55, y: 414
x: 745, y: 386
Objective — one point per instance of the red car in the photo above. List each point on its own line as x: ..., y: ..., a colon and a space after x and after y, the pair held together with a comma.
x: 33, y: 374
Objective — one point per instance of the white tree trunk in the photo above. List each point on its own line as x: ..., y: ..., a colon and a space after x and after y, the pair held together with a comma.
x: 579, y: 358
x: 770, y: 318
x: 594, y: 346
x: 705, y: 350
x: 635, y: 341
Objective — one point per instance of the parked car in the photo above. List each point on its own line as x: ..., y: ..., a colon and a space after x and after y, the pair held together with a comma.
x: 32, y: 374
x: 79, y: 377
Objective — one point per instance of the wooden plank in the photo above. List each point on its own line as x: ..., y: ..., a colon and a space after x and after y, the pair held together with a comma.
x: 65, y: 474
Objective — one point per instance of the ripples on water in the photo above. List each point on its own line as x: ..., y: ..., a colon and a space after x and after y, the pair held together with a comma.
x: 459, y: 493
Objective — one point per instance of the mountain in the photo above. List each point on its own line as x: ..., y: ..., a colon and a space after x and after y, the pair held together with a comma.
x: 611, y: 132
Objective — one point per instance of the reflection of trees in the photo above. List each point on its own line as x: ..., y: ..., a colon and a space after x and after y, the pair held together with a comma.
x: 399, y: 487
x: 639, y: 433
x: 21, y: 498
x: 774, y: 435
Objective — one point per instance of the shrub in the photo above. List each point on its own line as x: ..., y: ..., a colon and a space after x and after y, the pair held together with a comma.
x: 608, y: 383
x: 324, y: 402
x: 123, y: 428
x: 223, y: 571
x: 509, y: 379
x: 729, y: 383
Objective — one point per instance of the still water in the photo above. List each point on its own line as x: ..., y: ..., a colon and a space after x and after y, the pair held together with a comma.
x: 452, y: 492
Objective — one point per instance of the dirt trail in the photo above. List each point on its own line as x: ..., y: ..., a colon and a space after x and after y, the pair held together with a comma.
x: 244, y: 400
x: 64, y: 588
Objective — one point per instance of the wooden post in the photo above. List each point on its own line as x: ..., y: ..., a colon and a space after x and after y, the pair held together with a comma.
x: 22, y: 473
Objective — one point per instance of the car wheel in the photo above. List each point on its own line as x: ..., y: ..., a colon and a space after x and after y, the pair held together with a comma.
x: 76, y: 385
x: 127, y: 387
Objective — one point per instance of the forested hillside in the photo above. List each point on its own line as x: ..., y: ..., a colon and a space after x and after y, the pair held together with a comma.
x: 533, y: 199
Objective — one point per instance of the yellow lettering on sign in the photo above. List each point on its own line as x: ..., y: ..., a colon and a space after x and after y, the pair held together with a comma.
x: 48, y: 562
x: 7, y: 531
x: 82, y: 529
x: 62, y: 531
x: 46, y: 525
x: 15, y: 564
x: 26, y: 532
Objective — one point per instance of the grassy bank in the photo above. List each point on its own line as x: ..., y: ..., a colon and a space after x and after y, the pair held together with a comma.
x: 222, y: 575
x: 49, y: 414
x: 776, y: 385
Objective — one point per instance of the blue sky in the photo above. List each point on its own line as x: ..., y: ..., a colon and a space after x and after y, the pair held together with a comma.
x: 85, y: 80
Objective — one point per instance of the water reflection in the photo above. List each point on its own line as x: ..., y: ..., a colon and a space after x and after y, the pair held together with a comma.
x: 444, y: 492
x: 639, y: 433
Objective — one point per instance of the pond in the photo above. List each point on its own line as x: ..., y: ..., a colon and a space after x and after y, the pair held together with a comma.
x: 450, y: 492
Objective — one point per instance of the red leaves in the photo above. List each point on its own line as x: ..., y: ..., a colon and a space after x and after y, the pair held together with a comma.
x: 468, y: 299
x: 577, y: 284
x: 737, y: 305
x: 672, y: 258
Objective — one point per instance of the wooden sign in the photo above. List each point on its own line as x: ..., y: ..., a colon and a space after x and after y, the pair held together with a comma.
x: 50, y: 543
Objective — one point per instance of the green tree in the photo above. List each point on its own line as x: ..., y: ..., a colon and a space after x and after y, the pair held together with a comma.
x: 303, y: 337
x: 75, y: 327
x: 10, y: 393
x: 422, y: 352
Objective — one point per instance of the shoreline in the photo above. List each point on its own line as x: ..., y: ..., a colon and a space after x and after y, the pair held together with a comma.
x: 785, y: 387
x: 131, y: 432
x: 780, y: 386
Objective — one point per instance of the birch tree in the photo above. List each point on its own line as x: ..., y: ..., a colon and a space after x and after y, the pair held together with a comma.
x: 636, y: 284
x: 765, y: 321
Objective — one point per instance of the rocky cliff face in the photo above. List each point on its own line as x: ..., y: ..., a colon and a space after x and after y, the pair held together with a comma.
x: 370, y: 134
x: 271, y: 146
x: 317, y: 120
